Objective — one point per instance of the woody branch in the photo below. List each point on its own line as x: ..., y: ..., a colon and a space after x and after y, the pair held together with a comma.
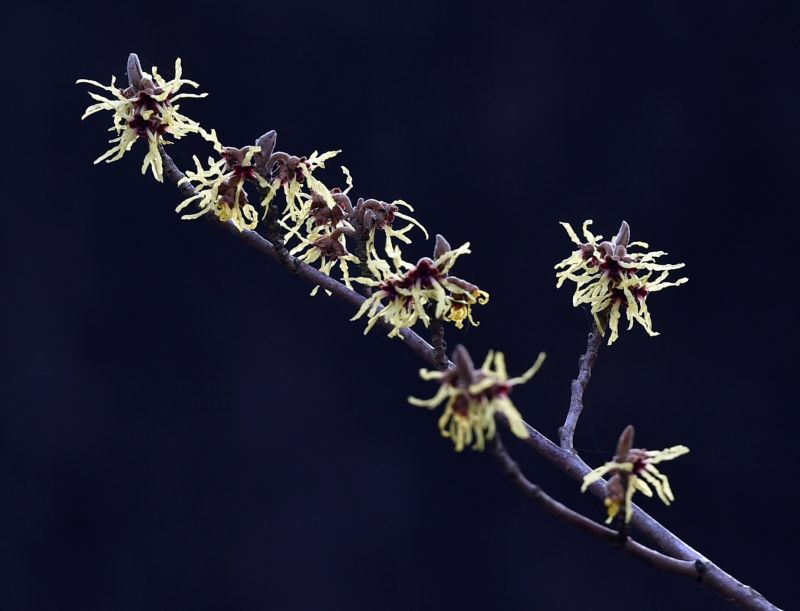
x: 675, y: 555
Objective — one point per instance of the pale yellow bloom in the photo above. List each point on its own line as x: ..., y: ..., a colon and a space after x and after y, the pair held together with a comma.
x: 474, y: 398
x: 610, y: 279
x: 333, y: 208
x: 328, y: 247
x: 147, y: 113
x: 315, y: 211
x: 407, y: 293
x: 221, y: 187
x: 463, y: 295
x: 292, y: 174
x: 375, y: 216
x: 633, y: 470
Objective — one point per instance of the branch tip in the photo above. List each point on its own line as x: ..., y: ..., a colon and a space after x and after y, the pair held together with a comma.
x: 623, y: 236
x: 463, y: 362
x: 442, y: 246
x: 267, y: 143
x: 135, y: 73
x: 625, y: 442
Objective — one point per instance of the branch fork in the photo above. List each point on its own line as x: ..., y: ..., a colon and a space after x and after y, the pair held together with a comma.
x: 675, y: 556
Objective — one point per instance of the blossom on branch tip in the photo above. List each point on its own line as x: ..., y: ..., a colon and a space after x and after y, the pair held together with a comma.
x: 632, y: 470
x: 221, y: 188
x: 474, y: 397
x: 145, y: 110
x: 406, y: 293
x: 609, y: 278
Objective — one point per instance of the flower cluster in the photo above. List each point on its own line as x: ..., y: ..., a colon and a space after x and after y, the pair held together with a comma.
x: 474, y: 397
x: 327, y: 246
x: 609, y: 278
x: 321, y: 213
x: 372, y: 216
x: 221, y: 188
x: 292, y: 173
x: 322, y: 220
x: 406, y: 293
x: 146, y: 110
x: 633, y: 469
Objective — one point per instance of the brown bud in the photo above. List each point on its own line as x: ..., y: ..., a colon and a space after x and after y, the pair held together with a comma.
x: 442, y: 246
x: 370, y: 219
x: 135, y: 73
x: 330, y: 246
x: 467, y: 286
x: 623, y: 236
x: 624, y: 444
x: 267, y: 142
x: 464, y: 365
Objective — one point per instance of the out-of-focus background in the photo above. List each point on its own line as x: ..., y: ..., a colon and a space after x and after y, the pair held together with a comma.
x: 183, y: 427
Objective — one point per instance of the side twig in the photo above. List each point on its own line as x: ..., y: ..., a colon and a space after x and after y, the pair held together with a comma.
x: 730, y: 588
x: 567, y: 432
x: 561, y: 511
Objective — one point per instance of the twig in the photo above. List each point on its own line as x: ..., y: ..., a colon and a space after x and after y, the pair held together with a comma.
x: 567, y: 431
x: 561, y: 511
x: 275, y: 234
x: 567, y: 461
x: 439, y: 345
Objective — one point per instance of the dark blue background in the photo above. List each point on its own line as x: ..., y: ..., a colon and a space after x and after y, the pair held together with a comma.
x: 182, y: 427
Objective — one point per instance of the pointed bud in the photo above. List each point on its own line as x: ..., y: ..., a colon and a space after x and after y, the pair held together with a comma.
x: 623, y: 236
x: 624, y: 444
x: 464, y: 364
x: 442, y: 247
x: 267, y: 143
x: 135, y: 73
x: 467, y: 286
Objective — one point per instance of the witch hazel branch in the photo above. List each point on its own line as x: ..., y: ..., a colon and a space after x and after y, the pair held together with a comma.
x: 353, y: 249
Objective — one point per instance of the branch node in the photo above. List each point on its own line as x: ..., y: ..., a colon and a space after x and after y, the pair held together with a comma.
x: 439, y: 344
x: 275, y: 235
x: 701, y: 567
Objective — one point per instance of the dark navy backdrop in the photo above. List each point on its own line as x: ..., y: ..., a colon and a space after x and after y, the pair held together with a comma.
x: 183, y: 427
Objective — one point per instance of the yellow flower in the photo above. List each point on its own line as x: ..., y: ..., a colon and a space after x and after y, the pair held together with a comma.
x: 221, y: 187
x: 291, y: 173
x: 633, y: 469
x: 474, y: 397
x: 417, y: 292
x: 328, y: 246
x: 146, y: 110
x: 608, y: 278
x: 373, y: 215
x: 463, y: 295
x: 364, y: 220
x: 315, y: 211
